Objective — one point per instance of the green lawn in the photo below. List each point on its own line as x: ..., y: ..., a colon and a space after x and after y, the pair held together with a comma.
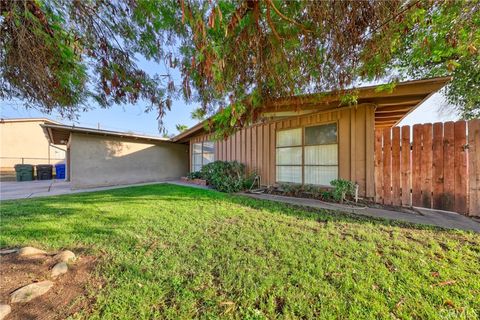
x: 178, y: 253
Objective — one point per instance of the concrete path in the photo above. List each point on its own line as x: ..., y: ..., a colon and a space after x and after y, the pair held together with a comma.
x: 185, y: 184
x: 43, y: 188
x: 10, y: 190
x: 444, y: 219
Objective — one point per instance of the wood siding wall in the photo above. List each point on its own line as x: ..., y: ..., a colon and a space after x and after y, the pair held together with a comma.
x: 255, y: 145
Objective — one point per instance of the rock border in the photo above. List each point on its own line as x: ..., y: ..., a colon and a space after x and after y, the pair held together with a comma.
x: 33, y: 290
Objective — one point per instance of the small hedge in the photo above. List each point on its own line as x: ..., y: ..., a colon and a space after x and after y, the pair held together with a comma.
x: 226, y: 176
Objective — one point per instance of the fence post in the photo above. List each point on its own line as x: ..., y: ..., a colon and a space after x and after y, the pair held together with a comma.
x: 417, y: 166
x: 405, y: 166
x: 474, y: 167
x: 378, y: 166
x: 437, y: 169
x: 396, y: 196
x: 387, y: 166
x: 426, y: 166
x: 460, y: 153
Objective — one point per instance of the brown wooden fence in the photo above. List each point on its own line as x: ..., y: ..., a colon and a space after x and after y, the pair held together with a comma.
x: 431, y: 165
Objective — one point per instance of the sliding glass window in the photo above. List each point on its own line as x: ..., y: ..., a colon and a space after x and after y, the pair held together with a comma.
x: 307, y: 155
x: 202, y: 153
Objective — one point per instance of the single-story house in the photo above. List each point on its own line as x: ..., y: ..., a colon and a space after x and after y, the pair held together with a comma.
x: 313, y: 139
x: 310, y: 139
x: 102, y: 158
x: 23, y: 141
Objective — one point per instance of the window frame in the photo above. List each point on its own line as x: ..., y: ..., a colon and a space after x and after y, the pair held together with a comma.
x: 302, y: 133
x: 302, y: 165
x: 192, y: 153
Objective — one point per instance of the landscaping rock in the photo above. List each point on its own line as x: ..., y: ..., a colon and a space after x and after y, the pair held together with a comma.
x: 30, y: 251
x: 7, y: 251
x: 31, y: 291
x: 65, y: 256
x: 59, y: 268
x: 5, y: 309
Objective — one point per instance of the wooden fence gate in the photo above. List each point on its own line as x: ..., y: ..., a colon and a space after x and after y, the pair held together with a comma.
x: 433, y: 166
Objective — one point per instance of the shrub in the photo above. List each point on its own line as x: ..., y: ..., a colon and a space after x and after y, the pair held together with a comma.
x: 225, y: 176
x: 291, y: 189
x: 342, y: 189
x: 299, y: 190
x: 249, y: 180
x: 194, y: 175
x: 326, y: 195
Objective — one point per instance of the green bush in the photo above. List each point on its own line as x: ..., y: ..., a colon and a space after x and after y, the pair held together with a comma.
x: 194, y: 175
x: 342, y: 189
x: 300, y: 190
x: 226, y: 176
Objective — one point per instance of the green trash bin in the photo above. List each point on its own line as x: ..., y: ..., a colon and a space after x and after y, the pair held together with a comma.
x: 24, y: 172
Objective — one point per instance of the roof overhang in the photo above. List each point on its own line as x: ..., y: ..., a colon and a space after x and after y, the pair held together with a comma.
x: 44, y: 120
x: 391, y: 106
x: 60, y: 134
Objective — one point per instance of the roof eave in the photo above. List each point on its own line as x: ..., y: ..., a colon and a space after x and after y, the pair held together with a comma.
x: 82, y: 130
x: 431, y: 86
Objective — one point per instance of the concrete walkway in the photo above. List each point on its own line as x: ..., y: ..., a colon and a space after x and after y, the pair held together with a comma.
x: 191, y: 185
x: 444, y: 219
x: 11, y: 190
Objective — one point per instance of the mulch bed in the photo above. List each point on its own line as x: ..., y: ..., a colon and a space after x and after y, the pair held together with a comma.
x: 68, y: 295
x: 362, y: 203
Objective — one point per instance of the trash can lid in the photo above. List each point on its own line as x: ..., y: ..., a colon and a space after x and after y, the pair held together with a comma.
x: 44, y: 166
x: 24, y: 166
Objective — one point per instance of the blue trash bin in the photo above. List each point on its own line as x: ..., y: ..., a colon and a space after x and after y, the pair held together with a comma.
x: 60, y: 171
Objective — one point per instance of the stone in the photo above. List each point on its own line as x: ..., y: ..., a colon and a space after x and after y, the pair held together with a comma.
x: 30, y: 251
x: 31, y: 291
x: 7, y: 251
x: 5, y: 309
x: 65, y: 256
x: 59, y: 268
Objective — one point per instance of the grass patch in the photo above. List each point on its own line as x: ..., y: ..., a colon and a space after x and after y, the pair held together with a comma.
x: 176, y: 252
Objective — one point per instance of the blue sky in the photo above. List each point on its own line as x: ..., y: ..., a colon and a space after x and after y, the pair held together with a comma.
x: 117, y: 118
x: 120, y: 117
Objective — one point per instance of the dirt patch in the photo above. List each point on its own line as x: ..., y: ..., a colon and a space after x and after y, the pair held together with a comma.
x: 67, y: 296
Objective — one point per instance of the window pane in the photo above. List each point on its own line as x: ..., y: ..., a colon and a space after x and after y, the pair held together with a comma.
x: 207, y: 158
x: 196, y: 168
x: 197, y: 160
x: 197, y: 148
x: 321, y: 155
x: 289, y: 174
x: 289, y: 155
x: 287, y: 138
x: 320, y: 175
x: 323, y: 134
x: 208, y: 146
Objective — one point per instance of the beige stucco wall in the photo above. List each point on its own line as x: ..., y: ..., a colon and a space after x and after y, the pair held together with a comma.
x: 104, y: 161
x: 25, y: 139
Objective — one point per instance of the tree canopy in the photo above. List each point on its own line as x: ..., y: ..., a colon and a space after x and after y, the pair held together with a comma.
x: 231, y: 56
